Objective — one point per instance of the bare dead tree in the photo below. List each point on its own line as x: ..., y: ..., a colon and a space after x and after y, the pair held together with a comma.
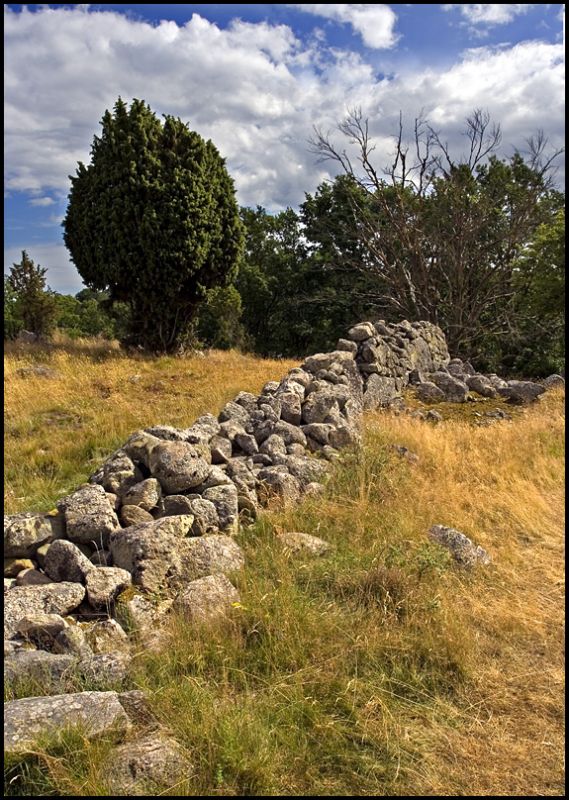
x: 442, y: 232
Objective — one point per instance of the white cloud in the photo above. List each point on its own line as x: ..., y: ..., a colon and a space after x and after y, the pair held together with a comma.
x: 489, y: 14
x: 42, y: 201
x: 255, y: 90
x: 375, y: 22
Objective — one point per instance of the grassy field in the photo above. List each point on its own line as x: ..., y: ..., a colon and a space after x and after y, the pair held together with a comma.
x: 379, y: 670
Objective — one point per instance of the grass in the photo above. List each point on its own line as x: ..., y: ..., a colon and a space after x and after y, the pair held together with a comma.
x: 58, y: 429
x: 380, y: 669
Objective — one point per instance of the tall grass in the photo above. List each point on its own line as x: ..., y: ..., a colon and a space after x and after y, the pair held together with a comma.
x: 382, y: 668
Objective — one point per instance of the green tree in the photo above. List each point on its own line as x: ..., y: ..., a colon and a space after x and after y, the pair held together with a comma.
x: 442, y: 234
x: 153, y: 221
x: 30, y: 300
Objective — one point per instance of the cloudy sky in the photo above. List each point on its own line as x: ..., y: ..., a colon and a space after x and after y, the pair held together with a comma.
x: 256, y: 79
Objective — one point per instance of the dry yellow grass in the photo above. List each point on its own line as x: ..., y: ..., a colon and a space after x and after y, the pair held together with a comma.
x: 59, y: 429
x: 380, y: 670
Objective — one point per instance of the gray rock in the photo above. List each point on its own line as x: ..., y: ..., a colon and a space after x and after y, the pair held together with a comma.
x: 304, y: 543
x: 96, y: 714
x: 481, y: 385
x: 106, y: 636
x: 220, y: 449
x: 133, y: 515
x: 206, y: 516
x: 65, y: 562
x: 291, y: 434
x: 139, y: 446
x: 25, y: 533
x: 521, y: 392
x: 346, y: 344
x: 224, y: 498
x: 207, y: 598
x: 291, y: 408
x: 365, y: 330
x: 89, y: 516
x: 32, y: 577
x: 463, y: 550
x: 454, y: 390
x: 145, y: 494
x: 203, y: 429
x: 211, y: 555
x: 428, y: 392
x: 247, y: 400
x: 274, y: 482
x: 152, y: 552
x: 41, y: 629
x: 215, y: 477
x: 117, y: 474
x: 179, y: 466
x: 380, y: 391
x: 72, y: 641
x: 318, y: 406
x: 246, y: 443
x: 554, y: 382
x: 274, y: 447
x: 318, y: 431
x: 38, y: 666
x: 235, y: 412
x: 434, y: 416
x: 147, y: 767
x: 320, y: 361
x: 104, y: 584
x: 53, y: 598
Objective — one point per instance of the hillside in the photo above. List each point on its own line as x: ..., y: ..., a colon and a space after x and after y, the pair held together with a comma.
x: 380, y: 668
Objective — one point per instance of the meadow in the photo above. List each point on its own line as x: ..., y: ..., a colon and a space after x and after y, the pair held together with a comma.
x: 380, y: 669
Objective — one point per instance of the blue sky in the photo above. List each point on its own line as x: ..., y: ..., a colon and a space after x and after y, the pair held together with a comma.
x: 255, y: 79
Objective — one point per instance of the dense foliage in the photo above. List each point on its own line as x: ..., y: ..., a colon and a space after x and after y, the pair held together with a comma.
x: 27, y: 304
x: 153, y: 221
x: 474, y: 244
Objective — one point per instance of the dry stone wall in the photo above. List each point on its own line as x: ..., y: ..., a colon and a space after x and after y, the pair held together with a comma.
x: 153, y: 529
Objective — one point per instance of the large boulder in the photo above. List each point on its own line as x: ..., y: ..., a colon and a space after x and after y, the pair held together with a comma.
x: 207, y: 598
x: 179, y: 466
x: 210, y: 555
x: 521, y: 392
x: 25, y: 533
x: 379, y: 391
x: 454, y: 390
x: 89, y: 517
x: 52, y: 598
x: 147, y: 767
x: 95, y: 714
x: 64, y: 561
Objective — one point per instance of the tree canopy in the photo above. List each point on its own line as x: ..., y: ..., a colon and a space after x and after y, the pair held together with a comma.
x: 153, y: 221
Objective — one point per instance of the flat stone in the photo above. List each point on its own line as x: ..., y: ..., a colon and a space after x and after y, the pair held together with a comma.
x: 24, y: 533
x: 53, y: 598
x: 147, y: 767
x: 96, y: 714
x: 207, y: 598
x: 305, y: 543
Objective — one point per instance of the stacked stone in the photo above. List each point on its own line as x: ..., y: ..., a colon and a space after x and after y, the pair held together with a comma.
x: 158, y: 517
x: 387, y: 356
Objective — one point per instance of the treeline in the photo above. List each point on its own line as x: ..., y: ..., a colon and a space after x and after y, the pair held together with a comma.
x: 304, y: 279
x: 473, y: 243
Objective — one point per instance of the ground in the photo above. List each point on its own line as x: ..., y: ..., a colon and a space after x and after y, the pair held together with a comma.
x: 379, y: 669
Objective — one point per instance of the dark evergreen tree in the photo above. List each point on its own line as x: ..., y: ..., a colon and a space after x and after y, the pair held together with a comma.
x: 153, y: 221
x: 31, y: 303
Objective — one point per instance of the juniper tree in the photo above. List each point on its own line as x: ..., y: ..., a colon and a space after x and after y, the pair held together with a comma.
x: 153, y: 221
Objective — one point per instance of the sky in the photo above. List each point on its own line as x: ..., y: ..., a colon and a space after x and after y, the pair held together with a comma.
x: 256, y: 79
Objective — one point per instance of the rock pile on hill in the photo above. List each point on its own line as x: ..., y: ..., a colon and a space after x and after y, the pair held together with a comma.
x: 153, y: 527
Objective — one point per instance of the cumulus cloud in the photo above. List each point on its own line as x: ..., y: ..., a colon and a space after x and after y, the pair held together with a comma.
x: 375, y: 22
x: 489, y: 14
x: 42, y: 201
x: 255, y: 89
